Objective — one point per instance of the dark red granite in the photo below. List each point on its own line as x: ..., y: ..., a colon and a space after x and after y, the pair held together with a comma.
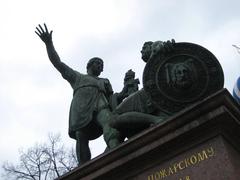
x: 200, y: 142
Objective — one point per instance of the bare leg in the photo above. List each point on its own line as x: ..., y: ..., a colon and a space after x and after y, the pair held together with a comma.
x: 111, y: 135
x: 134, y: 120
x: 82, y: 148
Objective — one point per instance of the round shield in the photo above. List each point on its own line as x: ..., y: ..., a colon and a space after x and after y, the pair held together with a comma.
x: 181, y: 77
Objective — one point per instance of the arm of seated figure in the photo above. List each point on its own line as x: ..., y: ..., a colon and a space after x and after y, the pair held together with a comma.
x: 117, y: 98
x: 67, y: 72
x: 163, y: 46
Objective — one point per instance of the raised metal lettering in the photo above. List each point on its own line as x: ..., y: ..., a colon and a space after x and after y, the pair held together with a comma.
x: 163, y: 173
x: 202, y: 156
x: 210, y: 152
x: 150, y: 177
x: 157, y: 176
x: 180, y: 166
x: 193, y: 159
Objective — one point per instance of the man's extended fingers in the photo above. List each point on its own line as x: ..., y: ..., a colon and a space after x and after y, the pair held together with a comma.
x: 170, y: 46
x: 41, y: 28
x: 38, y: 33
x: 46, y: 29
x: 38, y: 30
x: 164, y: 47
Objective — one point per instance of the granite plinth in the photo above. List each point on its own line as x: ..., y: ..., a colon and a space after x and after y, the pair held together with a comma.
x: 200, y: 142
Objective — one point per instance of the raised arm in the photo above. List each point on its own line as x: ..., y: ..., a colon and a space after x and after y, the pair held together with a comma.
x: 46, y: 37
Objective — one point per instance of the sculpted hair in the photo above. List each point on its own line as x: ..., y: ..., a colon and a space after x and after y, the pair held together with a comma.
x: 149, y: 43
x: 92, y: 60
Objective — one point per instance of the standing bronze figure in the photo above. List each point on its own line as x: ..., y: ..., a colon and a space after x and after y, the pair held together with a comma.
x: 90, y: 111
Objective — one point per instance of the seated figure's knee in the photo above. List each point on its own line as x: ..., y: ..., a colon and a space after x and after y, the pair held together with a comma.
x: 111, y: 134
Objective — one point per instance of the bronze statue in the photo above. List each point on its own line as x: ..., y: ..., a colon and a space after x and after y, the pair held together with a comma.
x: 137, y: 112
x: 90, y: 111
x: 176, y: 75
x: 131, y: 82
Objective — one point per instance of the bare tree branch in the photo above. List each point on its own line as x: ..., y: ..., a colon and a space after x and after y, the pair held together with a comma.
x: 42, y: 161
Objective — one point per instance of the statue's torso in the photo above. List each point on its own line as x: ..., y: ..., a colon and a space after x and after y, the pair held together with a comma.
x: 87, y: 93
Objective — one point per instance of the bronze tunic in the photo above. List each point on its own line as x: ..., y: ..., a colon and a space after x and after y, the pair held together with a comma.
x: 88, y: 91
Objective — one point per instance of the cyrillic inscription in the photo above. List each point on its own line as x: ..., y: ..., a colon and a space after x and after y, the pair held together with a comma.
x: 180, y: 165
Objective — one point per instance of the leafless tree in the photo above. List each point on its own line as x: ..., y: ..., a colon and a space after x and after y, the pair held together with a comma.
x: 42, y: 161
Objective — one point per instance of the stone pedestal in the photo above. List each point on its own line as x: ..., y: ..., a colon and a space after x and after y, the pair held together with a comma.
x: 200, y: 142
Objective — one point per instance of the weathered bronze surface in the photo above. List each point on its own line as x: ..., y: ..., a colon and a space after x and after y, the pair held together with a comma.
x: 176, y: 75
x: 91, y: 107
x: 181, y: 77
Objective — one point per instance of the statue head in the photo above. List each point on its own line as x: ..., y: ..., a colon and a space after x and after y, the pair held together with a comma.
x: 129, y: 75
x: 146, y: 50
x: 95, y: 66
x: 180, y: 75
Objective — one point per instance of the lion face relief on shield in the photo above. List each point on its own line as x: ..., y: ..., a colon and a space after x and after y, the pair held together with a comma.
x: 180, y: 75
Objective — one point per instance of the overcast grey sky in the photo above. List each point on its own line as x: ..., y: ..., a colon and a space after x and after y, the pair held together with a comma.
x: 34, y: 98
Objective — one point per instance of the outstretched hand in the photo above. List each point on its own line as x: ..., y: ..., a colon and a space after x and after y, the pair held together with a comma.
x: 44, y: 35
x: 163, y: 47
x: 168, y: 45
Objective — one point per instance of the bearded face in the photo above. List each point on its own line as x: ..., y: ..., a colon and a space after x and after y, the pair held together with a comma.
x: 146, y: 51
x: 181, y: 76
